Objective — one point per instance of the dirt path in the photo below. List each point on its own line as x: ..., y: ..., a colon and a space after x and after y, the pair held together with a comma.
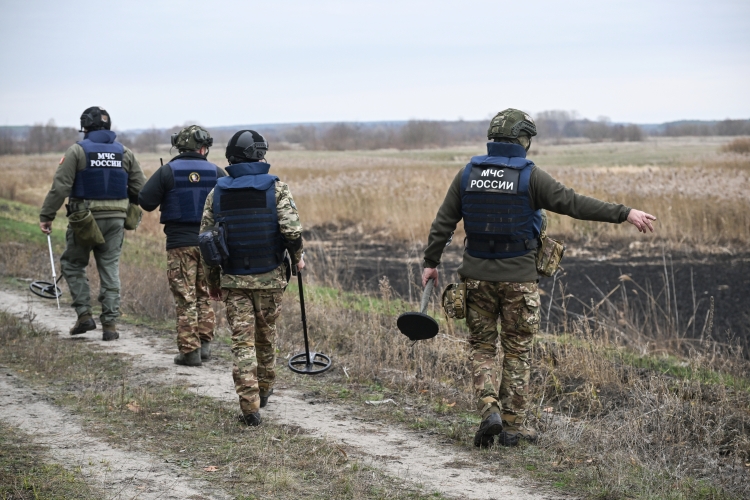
x: 414, y: 456
x: 121, y: 474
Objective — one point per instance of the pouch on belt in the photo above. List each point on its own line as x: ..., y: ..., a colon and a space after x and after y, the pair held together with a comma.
x: 454, y: 300
x: 85, y: 228
x: 549, y: 253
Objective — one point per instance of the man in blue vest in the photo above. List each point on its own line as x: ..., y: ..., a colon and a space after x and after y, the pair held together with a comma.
x: 500, y: 196
x: 259, y: 219
x: 180, y: 188
x: 101, y: 177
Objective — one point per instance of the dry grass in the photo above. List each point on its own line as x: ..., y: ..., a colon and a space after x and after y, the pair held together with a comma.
x: 27, y: 474
x: 697, y: 192
x: 740, y: 145
x: 623, y: 410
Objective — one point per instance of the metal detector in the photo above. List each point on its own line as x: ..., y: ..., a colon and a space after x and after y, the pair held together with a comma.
x: 45, y: 289
x: 418, y: 325
x: 307, y: 363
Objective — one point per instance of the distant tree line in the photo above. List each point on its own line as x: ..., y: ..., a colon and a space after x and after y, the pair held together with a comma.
x: 36, y: 139
x: 724, y: 127
x: 557, y: 125
x: 552, y: 126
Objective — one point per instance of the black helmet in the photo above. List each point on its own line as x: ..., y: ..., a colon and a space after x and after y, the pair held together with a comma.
x: 246, y: 145
x: 95, y: 118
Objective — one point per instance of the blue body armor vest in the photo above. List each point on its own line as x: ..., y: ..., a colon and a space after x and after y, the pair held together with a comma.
x: 104, y: 178
x: 498, y: 217
x: 193, y: 180
x: 245, y: 204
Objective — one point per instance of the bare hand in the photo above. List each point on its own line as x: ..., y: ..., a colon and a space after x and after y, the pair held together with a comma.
x: 301, y: 264
x: 46, y: 227
x: 429, y: 272
x: 214, y: 294
x: 641, y: 220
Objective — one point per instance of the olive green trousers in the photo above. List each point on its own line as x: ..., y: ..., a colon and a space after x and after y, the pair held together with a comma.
x: 75, y: 258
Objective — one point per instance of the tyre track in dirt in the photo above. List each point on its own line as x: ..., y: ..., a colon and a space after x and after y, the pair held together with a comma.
x: 414, y: 456
x: 120, y: 474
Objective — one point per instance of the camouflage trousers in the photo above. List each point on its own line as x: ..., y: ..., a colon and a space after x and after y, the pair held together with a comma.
x: 195, y: 317
x: 252, y: 318
x: 501, y: 376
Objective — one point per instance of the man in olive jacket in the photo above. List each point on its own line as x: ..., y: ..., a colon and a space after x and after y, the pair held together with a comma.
x: 500, y: 197
x: 180, y: 188
x: 100, y: 175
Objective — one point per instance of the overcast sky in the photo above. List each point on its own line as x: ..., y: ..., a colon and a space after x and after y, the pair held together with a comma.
x: 225, y: 62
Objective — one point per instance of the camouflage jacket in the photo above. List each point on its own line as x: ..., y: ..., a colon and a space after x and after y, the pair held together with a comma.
x: 291, y: 228
x: 73, y: 161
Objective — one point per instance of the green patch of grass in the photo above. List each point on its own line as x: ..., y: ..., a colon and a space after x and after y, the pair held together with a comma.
x: 27, y: 473
x: 19, y: 222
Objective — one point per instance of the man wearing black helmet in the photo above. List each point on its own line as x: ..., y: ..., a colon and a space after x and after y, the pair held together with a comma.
x: 500, y: 197
x: 256, y: 213
x: 180, y: 188
x: 101, y: 177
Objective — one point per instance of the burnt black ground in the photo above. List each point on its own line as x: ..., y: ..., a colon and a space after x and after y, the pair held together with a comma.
x: 356, y: 263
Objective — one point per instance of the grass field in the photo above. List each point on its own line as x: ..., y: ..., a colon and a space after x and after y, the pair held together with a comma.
x: 623, y: 413
x: 696, y: 189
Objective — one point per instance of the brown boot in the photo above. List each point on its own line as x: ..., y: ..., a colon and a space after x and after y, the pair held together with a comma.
x: 514, y: 429
x: 85, y: 323
x: 110, y: 331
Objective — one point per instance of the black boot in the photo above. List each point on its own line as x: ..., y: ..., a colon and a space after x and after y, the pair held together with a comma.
x: 264, y: 399
x: 251, y: 419
x: 192, y: 358
x: 84, y: 324
x: 488, y: 429
x: 110, y: 332
x: 205, y: 350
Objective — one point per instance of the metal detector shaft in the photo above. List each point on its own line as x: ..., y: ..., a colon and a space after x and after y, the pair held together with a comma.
x: 52, y: 263
x: 426, y: 295
x: 304, y: 316
x: 307, y: 363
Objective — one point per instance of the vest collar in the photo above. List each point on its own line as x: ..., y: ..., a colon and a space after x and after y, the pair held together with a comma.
x: 101, y: 136
x: 505, y: 149
x: 254, y: 168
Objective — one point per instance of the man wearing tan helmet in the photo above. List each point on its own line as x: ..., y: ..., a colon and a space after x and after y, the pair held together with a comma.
x: 500, y: 197
x: 180, y: 188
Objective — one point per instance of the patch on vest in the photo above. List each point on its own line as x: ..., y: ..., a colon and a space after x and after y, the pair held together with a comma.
x: 105, y: 160
x: 194, y: 177
x: 243, y: 199
x: 493, y: 180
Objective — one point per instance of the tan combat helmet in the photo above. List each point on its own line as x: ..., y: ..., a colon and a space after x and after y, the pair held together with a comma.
x: 510, y: 123
x: 192, y: 138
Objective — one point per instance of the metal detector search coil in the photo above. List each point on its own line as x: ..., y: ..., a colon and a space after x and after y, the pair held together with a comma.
x: 418, y: 325
x: 45, y: 289
x: 307, y: 363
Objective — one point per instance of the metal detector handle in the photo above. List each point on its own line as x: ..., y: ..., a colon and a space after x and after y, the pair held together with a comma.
x: 426, y: 295
x: 52, y: 263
